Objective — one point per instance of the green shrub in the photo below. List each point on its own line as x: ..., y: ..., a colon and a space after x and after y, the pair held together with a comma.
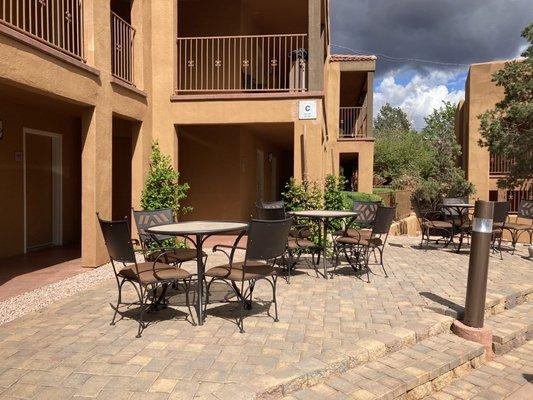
x: 302, y: 196
x: 161, y: 189
x: 333, y: 192
x: 381, y: 190
x: 350, y: 197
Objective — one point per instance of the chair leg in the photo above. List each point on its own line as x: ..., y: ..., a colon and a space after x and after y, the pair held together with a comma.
x: 381, y: 260
x: 367, y: 259
x: 141, y: 315
x: 274, y: 299
x: 119, y: 301
x: 242, y: 308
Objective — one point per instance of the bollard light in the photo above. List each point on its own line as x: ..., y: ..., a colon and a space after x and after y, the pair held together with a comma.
x: 476, y: 290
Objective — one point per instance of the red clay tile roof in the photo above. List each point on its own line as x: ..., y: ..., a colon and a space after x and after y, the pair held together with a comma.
x: 351, y: 57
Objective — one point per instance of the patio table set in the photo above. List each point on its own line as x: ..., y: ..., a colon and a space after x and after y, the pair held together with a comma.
x: 274, y: 242
x: 453, y: 218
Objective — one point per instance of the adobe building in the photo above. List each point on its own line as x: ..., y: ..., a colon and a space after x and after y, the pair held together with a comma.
x: 482, y: 168
x: 242, y: 94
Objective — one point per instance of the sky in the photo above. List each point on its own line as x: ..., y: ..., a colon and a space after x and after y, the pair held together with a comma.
x: 448, y: 35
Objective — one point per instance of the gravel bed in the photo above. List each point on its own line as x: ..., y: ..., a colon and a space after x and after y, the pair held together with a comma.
x: 17, y: 306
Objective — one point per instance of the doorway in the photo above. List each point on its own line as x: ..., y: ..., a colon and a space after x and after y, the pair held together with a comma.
x: 260, y: 171
x: 43, y: 220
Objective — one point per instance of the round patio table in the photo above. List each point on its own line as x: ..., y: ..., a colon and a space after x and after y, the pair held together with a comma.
x: 460, y: 208
x: 201, y: 230
x: 323, y: 218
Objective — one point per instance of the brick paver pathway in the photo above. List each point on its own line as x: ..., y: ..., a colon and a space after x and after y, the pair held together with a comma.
x: 509, y: 376
x: 69, y: 350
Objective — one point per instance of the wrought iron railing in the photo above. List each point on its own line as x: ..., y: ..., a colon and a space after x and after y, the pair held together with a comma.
x: 259, y: 63
x: 56, y: 23
x: 499, y: 165
x: 515, y: 196
x: 352, y: 122
x: 122, y: 35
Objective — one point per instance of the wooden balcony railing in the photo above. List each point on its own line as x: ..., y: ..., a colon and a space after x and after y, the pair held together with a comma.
x: 57, y: 23
x: 265, y: 63
x: 499, y: 165
x: 122, y: 35
x: 352, y: 122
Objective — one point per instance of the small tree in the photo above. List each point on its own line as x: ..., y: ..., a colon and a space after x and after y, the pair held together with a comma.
x: 390, y: 120
x: 507, y: 130
x: 333, y: 192
x: 302, y: 196
x: 162, y: 189
x: 442, y: 178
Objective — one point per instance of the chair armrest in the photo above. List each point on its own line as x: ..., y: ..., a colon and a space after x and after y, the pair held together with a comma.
x: 220, y: 247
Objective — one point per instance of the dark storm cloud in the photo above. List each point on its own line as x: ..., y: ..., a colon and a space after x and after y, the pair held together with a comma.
x: 451, y: 31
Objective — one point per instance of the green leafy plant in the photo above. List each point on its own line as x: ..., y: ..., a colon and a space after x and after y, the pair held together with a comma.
x: 162, y: 189
x: 302, y: 196
x: 507, y: 129
x: 333, y: 192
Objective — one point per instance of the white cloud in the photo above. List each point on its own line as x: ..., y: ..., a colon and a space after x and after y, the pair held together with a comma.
x: 418, y: 97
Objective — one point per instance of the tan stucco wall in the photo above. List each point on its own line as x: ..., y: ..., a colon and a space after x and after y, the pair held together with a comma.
x: 15, y: 118
x: 91, y: 97
x: 364, y: 148
x: 481, y: 94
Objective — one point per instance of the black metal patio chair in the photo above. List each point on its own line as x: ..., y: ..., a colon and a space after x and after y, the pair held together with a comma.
x: 516, y: 229
x: 146, y: 277
x: 499, y: 219
x: 432, y: 224
x: 361, y: 247
x: 147, y: 219
x: 298, y: 242
x: 266, y: 242
x: 366, y: 214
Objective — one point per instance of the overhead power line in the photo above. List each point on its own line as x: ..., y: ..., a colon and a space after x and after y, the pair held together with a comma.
x: 402, y: 59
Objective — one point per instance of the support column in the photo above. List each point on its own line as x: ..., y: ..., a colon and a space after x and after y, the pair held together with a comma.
x: 365, y: 168
x: 316, y: 46
x: 141, y: 149
x: 96, y: 178
x: 370, y: 104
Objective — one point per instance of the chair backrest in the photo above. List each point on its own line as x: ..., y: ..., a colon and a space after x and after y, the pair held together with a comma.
x: 270, y: 213
x: 267, y: 240
x: 501, y: 210
x: 117, y: 239
x: 146, y: 219
x: 383, y: 221
x: 367, y: 211
x: 452, y: 212
x: 525, y: 209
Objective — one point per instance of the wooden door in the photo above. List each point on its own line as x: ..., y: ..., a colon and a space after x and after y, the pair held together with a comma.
x: 39, y: 191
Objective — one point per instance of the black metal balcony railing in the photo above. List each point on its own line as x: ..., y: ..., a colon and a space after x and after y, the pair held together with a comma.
x: 122, y: 35
x: 352, y: 122
x: 259, y: 63
x: 499, y: 165
x: 56, y: 23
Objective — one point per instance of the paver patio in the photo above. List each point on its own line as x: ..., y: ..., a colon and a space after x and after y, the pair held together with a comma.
x: 69, y: 349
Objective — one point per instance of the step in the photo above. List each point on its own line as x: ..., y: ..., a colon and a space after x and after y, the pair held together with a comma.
x: 511, y: 328
x: 313, y: 371
x: 410, y: 373
x: 505, y: 377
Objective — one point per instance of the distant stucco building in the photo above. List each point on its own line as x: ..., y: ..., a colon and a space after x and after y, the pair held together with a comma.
x: 86, y: 86
x: 482, y: 168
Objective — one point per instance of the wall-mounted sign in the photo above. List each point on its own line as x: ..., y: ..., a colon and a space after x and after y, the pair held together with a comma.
x: 307, y: 109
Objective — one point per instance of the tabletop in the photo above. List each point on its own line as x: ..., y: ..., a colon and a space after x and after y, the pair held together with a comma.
x: 198, y: 228
x: 324, y: 214
x: 465, y: 205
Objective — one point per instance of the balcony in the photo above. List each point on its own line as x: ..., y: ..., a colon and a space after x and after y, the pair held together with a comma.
x: 56, y: 23
x: 122, y: 36
x: 352, y: 122
x: 249, y: 64
x: 499, y: 165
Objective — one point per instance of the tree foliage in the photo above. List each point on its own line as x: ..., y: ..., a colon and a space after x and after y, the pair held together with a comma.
x: 443, y: 178
x: 400, y: 153
x: 302, y: 196
x: 390, y: 120
x: 507, y: 128
x: 162, y: 189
